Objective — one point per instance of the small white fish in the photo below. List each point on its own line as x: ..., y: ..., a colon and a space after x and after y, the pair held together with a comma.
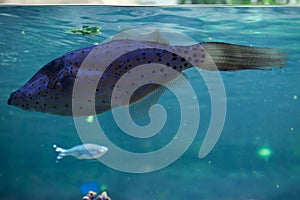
x: 84, y: 151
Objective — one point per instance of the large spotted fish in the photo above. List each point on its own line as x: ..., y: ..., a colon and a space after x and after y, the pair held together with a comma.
x: 50, y: 90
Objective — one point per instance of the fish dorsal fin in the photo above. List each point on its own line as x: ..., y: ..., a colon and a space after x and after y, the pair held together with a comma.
x: 142, y: 35
x: 157, y: 36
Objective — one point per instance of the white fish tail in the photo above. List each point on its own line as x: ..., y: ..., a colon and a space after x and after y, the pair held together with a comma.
x: 61, y: 152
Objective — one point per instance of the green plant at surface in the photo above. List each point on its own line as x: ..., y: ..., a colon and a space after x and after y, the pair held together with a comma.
x: 86, y: 30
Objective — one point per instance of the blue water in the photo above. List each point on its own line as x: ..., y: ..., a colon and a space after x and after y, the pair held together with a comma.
x: 262, y: 108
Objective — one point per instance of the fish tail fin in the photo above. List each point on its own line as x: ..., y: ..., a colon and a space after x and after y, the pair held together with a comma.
x: 231, y: 57
x: 61, y: 152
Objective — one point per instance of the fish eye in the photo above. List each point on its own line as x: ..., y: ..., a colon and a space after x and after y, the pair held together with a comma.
x: 58, y: 86
x: 65, y: 84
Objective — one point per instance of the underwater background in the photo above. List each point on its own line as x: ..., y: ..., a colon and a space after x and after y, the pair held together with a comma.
x: 256, y: 157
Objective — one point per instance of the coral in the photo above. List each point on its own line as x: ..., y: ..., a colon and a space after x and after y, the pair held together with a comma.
x: 93, y: 196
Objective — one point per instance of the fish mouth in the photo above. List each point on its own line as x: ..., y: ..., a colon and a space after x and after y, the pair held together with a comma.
x: 19, y: 101
x: 32, y: 102
x: 11, y: 98
x: 9, y: 101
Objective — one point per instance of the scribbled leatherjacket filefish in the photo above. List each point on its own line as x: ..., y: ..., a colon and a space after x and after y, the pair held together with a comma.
x: 50, y: 90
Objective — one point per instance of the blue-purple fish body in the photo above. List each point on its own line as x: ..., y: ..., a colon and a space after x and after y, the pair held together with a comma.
x: 50, y: 90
